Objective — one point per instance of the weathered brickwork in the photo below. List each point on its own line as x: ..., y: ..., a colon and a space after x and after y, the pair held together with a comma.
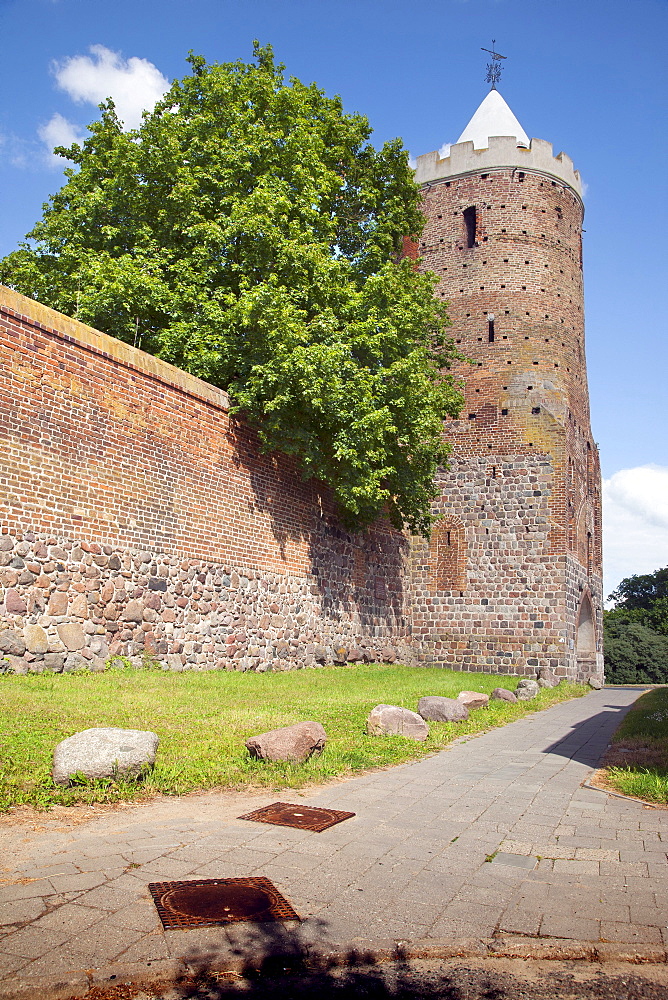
x: 138, y: 518
x: 524, y: 483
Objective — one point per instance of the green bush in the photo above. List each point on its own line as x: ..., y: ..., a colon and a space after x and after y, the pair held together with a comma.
x: 634, y: 653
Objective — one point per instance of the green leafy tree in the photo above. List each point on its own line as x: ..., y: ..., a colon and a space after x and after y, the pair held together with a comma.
x: 635, y: 631
x: 635, y: 592
x: 634, y: 653
x: 249, y: 233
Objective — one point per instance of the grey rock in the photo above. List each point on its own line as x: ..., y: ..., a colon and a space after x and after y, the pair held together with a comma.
x: 391, y: 720
x: 595, y: 682
x: 473, y: 699
x: 298, y: 742
x: 320, y: 653
x: 12, y: 642
x: 526, y: 689
x: 54, y: 661
x: 547, y: 678
x: 502, y: 694
x: 6, y: 543
x: 14, y: 664
x: 104, y: 753
x: 36, y: 639
x: 438, y: 709
x: 388, y: 654
x: 74, y: 662
x: 340, y: 654
x: 355, y: 655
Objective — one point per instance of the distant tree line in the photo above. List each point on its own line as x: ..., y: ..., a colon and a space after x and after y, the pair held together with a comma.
x: 635, y: 631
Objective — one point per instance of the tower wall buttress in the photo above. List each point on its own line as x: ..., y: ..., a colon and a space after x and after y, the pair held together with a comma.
x: 524, y: 480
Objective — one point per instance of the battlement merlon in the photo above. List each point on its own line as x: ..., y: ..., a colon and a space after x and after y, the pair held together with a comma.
x: 502, y: 151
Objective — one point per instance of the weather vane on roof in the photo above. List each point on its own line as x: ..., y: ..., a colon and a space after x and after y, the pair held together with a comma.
x: 493, y: 67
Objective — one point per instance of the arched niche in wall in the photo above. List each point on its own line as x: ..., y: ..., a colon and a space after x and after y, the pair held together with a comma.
x: 447, y: 556
x: 585, y: 641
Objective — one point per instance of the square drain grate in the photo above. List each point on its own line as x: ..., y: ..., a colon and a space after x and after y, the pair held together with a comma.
x: 207, y: 901
x: 300, y: 817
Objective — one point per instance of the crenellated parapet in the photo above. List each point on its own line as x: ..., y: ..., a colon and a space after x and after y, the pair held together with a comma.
x: 502, y: 152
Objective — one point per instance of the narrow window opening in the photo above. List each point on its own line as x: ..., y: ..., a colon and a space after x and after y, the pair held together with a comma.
x: 493, y: 472
x: 535, y: 409
x: 490, y: 330
x: 504, y: 413
x: 470, y: 223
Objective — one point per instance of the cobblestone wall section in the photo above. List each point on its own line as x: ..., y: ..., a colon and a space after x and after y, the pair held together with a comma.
x: 138, y: 519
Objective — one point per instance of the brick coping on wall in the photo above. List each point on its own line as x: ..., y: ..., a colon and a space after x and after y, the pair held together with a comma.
x: 56, y: 324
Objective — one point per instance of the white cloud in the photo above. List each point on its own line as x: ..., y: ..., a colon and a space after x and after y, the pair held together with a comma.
x: 134, y: 84
x: 635, y: 523
x: 444, y: 150
x: 58, y: 131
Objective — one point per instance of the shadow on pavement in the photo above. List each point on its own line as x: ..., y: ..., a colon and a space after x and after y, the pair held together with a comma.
x: 588, y: 740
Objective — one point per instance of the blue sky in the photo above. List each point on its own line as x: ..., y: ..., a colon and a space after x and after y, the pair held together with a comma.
x: 590, y: 76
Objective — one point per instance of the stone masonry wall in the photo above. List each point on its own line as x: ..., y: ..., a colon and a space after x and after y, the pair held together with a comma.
x: 137, y: 518
x: 523, y: 492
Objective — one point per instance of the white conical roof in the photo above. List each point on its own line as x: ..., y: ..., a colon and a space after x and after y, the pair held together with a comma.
x: 493, y: 117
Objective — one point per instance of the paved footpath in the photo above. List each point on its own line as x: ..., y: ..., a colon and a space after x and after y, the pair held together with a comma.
x: 494, y: 841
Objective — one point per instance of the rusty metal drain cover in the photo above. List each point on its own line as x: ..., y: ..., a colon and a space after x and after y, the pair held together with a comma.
x: 203, y: 902
x: 301, y: 817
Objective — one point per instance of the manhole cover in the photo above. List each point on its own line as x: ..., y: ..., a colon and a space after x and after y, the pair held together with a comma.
x: 301, y: 817
x: 206, y: 901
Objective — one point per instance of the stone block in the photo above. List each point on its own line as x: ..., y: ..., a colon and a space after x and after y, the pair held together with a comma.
x: 79, y: 606
x: 526, y: 689
x: 133, y: 611
x: 12, y: 642
x: 473, y: 699
x: 437, y: 709
x: 104, y: 753
x: 72, y: 636
x: 502, y: 694
x: 14, y: 602
x: 36, y: 639
x: 298, y: 742
x: 391, y: 720
x: 58, y: 603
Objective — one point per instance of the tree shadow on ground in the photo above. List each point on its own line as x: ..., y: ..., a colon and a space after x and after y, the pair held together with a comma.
x: 277, y: 962
x: 312, y: 977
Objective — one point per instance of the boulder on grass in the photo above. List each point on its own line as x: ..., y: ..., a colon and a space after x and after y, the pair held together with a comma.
x: 473, y: 699
x: 527, y: 689
x: 104, y: 753
x: 502, y: 694
x: 391, y: 720
x: 595, y: 682
x: 298, y: 742
x: 547, y: 678
x: 438, y: 709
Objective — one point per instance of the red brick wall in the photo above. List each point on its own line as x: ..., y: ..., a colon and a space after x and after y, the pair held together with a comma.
x: 136, y: 515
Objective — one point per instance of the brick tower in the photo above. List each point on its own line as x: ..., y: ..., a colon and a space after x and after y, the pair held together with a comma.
x: 511, y: 580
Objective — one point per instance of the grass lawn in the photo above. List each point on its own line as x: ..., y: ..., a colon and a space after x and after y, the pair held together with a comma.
x: 637, y: 762
x: 203, y: 719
